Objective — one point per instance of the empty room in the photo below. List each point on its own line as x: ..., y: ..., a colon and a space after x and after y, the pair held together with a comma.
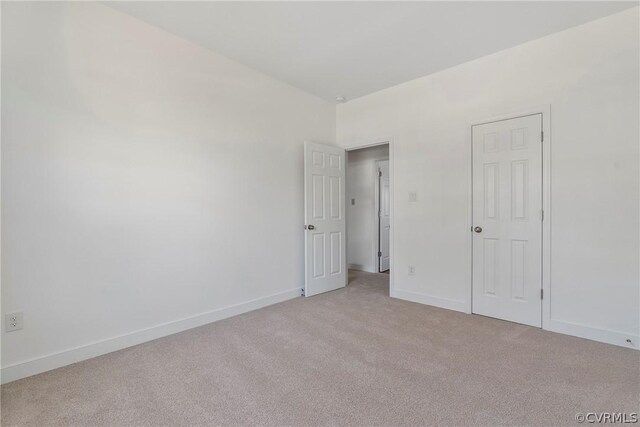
x: 320, y: 213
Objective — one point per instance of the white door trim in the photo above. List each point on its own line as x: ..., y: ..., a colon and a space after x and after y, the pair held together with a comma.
x: 376, y: 216
x: 545, y: 111
x: 372, y: 143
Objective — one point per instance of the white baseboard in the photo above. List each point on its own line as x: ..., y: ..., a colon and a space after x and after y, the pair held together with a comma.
x: 563, y: 327
x: 361, y: 267
x: 449, y: 304
x: 595, y: 334
x: 98, y: 348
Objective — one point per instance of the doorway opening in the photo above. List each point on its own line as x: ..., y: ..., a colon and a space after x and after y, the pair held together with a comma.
x: 368, y: 209
x: 348, y: 212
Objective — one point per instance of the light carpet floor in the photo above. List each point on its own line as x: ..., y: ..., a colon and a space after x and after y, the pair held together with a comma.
x: 348, y: 357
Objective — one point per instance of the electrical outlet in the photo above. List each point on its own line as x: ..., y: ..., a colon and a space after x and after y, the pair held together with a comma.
x: 413, y: 196
x: 13, y: 321
x: 412, y: 270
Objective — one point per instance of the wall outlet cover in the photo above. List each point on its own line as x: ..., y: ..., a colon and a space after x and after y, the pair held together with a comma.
x: 13, y: 321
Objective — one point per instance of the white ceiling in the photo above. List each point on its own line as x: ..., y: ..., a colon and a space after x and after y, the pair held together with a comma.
x: 356, y: 48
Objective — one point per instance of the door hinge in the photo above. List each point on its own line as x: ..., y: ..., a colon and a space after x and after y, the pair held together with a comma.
x: 541, y: 293
x: 541, y: 136
x: 542, y: 215
x: 379, y: 254
x: 379, y: 172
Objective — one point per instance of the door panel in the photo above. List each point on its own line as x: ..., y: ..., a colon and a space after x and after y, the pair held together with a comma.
x: 336, y: 252
x: 385, y: 216
x: 507, y: 207
x: 336, y: 196
x: 325, y: 225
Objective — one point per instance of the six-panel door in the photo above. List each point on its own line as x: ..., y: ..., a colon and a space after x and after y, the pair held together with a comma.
x: 325, y: 255
x: 507, y: 215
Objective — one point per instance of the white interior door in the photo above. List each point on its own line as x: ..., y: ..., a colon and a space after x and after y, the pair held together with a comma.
x: 507, y: 219
x: 325, y: 223
x: 384, y: 214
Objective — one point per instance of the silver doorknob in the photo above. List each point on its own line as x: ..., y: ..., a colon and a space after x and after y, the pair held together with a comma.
x: 311, y: 227
x: 477, y: 229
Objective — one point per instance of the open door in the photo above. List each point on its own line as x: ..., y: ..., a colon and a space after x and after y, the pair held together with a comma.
x: 324, y: 214
x: 384, y: 215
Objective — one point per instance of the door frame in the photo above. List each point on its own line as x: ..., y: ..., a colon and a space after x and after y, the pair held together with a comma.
x: 545, y: 112
x: 376, y: 210
x: 372, y: 143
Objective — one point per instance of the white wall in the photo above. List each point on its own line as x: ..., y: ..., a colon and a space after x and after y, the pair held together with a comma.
x: 144, y: 180
x: 589, y: 76
x: 362, y: 240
